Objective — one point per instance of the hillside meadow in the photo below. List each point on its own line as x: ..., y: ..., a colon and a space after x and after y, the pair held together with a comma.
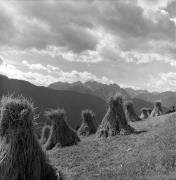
x: 148, y: 154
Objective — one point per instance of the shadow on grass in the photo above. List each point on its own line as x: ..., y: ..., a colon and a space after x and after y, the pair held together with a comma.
x: 139, y: 132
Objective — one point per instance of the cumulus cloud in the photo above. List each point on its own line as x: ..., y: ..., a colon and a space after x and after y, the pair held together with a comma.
x: 154, y: 4
x: 54, y: 74
x: 28, y: 27
x: 36, y: 78
x: 73, y: 23
x: 163, y: 82
x: 142, y: 58
x: 170, y: 8
x: 87, y: 56
x: 132, y: 22
x: 74, y: 76
x: 47, y: 68
x: 69, y: 41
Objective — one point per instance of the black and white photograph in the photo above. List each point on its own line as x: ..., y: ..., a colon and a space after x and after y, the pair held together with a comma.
x: 87, y: 89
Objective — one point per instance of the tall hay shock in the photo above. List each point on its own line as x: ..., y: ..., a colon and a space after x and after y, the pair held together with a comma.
x: 61, y: 133
x: 144, y: 113
x: 157, y: 110
x: 45, y: 134
x: 114, y: 121
x: 88, y: 125
x: 130, y: 112
x: 149, y: 110
x: 21, y: 156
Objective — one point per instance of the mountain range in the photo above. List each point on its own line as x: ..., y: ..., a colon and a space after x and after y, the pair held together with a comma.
x: 105, y: 91
x: 74, y: 97
x: 45, y: 98
x: 168, y: 98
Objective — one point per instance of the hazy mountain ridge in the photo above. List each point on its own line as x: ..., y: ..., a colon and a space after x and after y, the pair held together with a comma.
x: 91, y: 87
x: 135, y: 92
x: 168, y: 98
x: 73, y: 102
x: 141, y: 98
x: 77, y: 86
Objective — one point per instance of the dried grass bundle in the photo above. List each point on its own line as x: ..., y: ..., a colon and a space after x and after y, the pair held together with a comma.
x: 114, y: 121
x: 149, y: 110
x: 21, y: 156
x: 61, y: 133
x: 144, y: 113
x: 130, y: 112
x: 88, y: 125
x: 157, y: 110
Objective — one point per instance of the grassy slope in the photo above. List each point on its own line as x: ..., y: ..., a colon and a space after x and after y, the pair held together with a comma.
x: 148, y: 155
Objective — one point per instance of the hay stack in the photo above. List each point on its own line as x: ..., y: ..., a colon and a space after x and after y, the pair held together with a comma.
x: 114, y: 121
x: 21, y: 157
x: 149, y: 110
x: 45, y: 134
x: 144, y: 113
x: 88, y: 125
x: 61, y: 133
x: 130, y: 112
x: 157, y: 110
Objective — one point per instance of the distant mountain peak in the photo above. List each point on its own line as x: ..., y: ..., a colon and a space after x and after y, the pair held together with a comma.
x: 44, y: 98
x: 92, y: 87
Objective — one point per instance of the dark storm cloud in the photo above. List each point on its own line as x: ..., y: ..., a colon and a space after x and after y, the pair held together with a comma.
x: 71, y: 24
x: 39, y: 24
x: 7, y: 28
x: 75, y: 25
x: 134, y: 26
x: 171, y: 9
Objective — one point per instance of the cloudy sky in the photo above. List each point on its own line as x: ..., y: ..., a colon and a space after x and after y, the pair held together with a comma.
x: 128, y: 42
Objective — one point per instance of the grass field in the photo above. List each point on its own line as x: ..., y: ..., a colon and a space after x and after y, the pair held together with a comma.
x: 148, y: 154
